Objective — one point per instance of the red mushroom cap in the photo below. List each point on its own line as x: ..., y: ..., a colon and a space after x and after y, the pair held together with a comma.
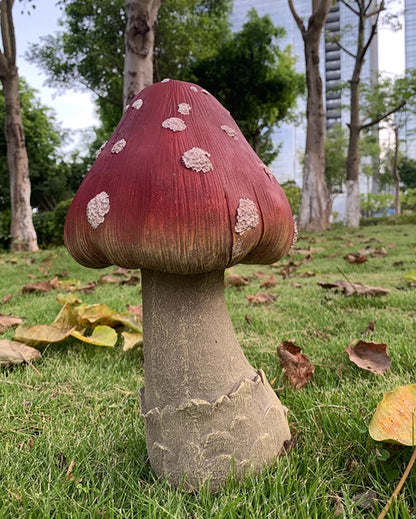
x: 178, y: 189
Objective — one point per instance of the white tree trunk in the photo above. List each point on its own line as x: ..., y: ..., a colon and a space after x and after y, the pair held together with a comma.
x: 353, y: 203
x: 139, y: 42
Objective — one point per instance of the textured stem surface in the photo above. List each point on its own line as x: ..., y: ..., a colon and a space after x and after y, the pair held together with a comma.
x: 206, y: 410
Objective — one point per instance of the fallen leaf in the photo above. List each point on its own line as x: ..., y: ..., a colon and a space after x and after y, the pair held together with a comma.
x: 12, y: 352
x: 41, y: 286
x: 100, y: 314
x: 355, y: 257
x: 261, y: 275
x: 354, y: 288
x: 371, y: 356
x: 306, y: 274
x: 108, y: 279
x: 89, y: 288
x: 295, y: 285
x: 6, y: 299
x: 131, y: 340
x: 235, y: 280
x: 248, y: 319
x: 136, y: 311
x: 270, y: 282
x: 411, y: 276
x: 41, y: 334
x: 8, y: 321
x: 101, y: 336
x: 394, y: 420
x: 296, y: 367
x: 262, y: 298
x: 66, y: 317
x: 130, y: 281
x: 69, y: 472
x: 365, y: 500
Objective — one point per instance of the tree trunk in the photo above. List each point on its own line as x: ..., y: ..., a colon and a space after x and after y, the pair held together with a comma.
x: 22, y: 231
x: 353, y: 158
x: 207, y: 412
x: 315, y: 204
x: 139, y: 42
x: 314, y: 214
x: 396, y: 175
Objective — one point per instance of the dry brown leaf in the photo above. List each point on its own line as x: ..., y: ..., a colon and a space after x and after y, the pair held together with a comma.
x: 355, y: 257
x: 261, y: 275
x: 131, y: 340
x: 12, y: 352
x: 8, y: 321
x: 131, y: 281
x: 370, y: 328
x: 270, y: 282
x: 136, y: 311
x: 262, y: 298
x: 371, y: 356
x: 296, y: 367
x: 235, y: 280
x: 348, y: 288
x: 306, y: 274
x: 108, y: 279
x: 6, y: 299
x: 41, y: 286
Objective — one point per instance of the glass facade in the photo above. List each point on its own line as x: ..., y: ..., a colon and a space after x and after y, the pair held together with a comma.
x: 410, y: 62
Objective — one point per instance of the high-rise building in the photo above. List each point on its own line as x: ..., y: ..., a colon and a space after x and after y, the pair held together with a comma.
x: 410, y: 62
x: 336, y: 68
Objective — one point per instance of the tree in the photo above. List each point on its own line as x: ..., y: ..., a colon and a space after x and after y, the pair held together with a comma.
x: 255, y: 79
x: 22, y: 231
x: 315, y: 208
x: 368, y: 13
x: 336, y: 143
x: 139, y: 43
x: 88, y: 53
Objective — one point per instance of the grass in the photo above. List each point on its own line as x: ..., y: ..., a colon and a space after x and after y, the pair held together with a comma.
x: 72, y: 440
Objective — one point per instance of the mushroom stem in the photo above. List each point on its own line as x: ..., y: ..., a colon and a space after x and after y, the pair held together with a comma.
x: 206, y: 410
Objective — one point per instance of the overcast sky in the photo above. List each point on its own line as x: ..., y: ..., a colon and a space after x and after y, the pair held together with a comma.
x: 75, y: 110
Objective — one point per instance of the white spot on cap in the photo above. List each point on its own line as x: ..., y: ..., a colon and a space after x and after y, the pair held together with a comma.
x: 197, y: 159
x: 97, y: 208
x: 165, y: 80
x: 184, y: 108
x: 247, y: 216
x: 98, y: 152
x: 137, y: 104
x: 118, y: 146
x: 126, y: 108
x: 194, y: 89
x: 205, y: 91
x: 175, y: 124
x: 229, y: 131
x: 268, y: 171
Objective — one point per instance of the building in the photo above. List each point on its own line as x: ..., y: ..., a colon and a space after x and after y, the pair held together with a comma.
x: 336, y: 68
x: 410, y: 62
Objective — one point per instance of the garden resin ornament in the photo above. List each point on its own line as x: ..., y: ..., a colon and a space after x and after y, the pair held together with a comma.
x: 178, y: 192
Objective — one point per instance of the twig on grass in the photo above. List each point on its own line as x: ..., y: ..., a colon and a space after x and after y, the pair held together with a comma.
x: 399, y: 486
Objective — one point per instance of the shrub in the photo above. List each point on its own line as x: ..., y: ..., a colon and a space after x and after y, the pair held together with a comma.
x: 293, y: 194
x: 5, y: 222
x: 376, y: 204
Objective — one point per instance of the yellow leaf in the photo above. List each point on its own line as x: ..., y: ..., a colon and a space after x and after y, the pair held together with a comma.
x: 132, y: 340
x: 101, y: 336
x: 41, y: 334
x: 394, y: 420
x: 101, y: 314
x: 66, y: 317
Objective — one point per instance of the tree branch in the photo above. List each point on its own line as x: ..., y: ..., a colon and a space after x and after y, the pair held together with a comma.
x: 378, y: 119
x: 346, y: 50
x: 298, y: 19
x: 349, y: 7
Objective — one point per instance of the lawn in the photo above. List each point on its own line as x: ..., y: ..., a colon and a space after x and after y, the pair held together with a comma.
x: 72, y: 439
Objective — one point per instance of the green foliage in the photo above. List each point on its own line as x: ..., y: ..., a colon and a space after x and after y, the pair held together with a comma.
x: 52, y: 179
x: 5, y: 222
x: 407, y: 172
x: 88, y: 53
x: 408, y: 199
x: 293, y: 194
x: 49, y: 225
x: 372, y: 203
x: 255, y: 79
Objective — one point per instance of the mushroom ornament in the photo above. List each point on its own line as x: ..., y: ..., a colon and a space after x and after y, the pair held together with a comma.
x: 179, y: 193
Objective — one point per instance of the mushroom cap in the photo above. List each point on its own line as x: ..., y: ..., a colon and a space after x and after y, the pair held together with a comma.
x: 177, y: 188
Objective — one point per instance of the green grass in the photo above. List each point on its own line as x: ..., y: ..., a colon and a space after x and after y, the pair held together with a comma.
x: 81, y: 407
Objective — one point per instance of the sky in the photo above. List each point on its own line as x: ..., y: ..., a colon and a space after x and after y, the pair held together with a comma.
x: 75, y: 110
